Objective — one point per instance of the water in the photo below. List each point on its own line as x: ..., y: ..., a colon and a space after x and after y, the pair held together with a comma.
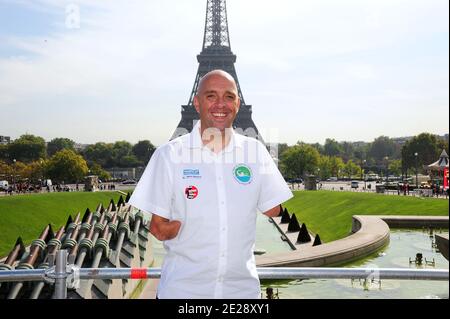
x: 404, y: 244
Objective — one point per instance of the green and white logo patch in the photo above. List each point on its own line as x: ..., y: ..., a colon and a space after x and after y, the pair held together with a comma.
x: 243, y: 174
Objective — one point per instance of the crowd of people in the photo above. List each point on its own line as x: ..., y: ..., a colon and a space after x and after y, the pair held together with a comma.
x: 438, y: 190
x: 108, y: 186
x: 29, y: 188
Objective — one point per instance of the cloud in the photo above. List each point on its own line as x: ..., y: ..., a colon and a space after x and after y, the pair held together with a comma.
x: 360, y: 71
x: 295, y: 58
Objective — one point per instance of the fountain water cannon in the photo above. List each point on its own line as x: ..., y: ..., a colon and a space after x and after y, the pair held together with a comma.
x: 419, y: 260
x: 72, y: 225
x: 53, y: 245
x: 18, y: 250
x: 102, y: 244
x: 87, y: 243
x: 124, y: 232
x: 37, y: 248
x: 86, y: 224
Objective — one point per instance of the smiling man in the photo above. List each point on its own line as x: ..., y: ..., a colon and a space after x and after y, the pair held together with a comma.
x: 204, y: 190
x: 217, y: 102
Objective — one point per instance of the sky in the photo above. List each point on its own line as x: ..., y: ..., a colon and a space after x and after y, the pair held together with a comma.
x: 109, y: 70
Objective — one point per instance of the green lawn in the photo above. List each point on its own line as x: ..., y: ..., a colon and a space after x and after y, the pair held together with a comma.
x: 329, y: 214
x: 27, y: 215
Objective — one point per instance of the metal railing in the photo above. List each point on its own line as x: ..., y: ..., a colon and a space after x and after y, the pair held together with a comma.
x: 63, y: 275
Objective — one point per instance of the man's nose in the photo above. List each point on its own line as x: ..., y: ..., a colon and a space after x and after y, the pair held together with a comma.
x: 220, y: 102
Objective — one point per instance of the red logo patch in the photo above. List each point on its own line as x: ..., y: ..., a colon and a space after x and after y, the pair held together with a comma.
x: 191, y: 192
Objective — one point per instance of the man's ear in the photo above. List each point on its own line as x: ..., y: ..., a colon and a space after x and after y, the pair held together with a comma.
x: 196, y: 104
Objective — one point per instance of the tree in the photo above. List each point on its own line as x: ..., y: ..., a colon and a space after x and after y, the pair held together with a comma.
x: 143, y: 150
x: 35, y: 171
x: 347, y: 151
x: 128, y: 161
x: 18, y: 170
x: 442, y: 144
x: 395, y: 167
x: 325, y: 166
x: 352, y: 169
x: 100, y: 153
x: 381, y: 147
x: 5, y: 171
x: 4, y: 154
x: 336, y: 166
x: 427, y: 148
x: 122, y: 155
x: 318, y: 147
x: 58, y: 144
x: 100, y: 172
x: 332, y: 148
x: 27, y: 148
x: 67, y: 166
x: 299, y: 160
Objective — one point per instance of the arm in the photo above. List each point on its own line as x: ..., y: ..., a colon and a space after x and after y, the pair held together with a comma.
x: 274, y: 212
x: 163, y: 229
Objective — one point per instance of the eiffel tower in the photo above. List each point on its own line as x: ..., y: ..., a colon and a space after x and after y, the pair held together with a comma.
x: 217, y: 54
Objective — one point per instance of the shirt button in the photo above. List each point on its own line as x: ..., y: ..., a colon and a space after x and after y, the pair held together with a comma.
x: 222, y: 203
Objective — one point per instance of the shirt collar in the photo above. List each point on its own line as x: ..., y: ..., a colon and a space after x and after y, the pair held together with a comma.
x: 195, y: 140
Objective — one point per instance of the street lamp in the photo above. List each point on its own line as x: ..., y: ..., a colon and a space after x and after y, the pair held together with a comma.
x: 417, y: 175
x: 363, y: 172
x: 14, y: 174
x: 387, y: 169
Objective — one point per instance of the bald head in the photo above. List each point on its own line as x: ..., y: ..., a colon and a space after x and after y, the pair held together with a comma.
x: 217, y: 100
x: 214, y: 73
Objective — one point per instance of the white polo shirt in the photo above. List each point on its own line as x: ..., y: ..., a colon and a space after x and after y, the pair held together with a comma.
x: 216, y: 198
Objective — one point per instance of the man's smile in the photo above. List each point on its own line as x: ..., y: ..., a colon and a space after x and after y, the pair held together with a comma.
x: 219, y: 115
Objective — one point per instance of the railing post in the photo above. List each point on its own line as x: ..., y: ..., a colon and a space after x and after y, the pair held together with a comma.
x: 61, y: 275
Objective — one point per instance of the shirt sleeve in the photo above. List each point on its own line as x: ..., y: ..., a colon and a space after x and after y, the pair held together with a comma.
x: 274, y: 189
x: 153, y: 193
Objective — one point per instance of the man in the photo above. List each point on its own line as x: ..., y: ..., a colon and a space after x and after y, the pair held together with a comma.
x: 203, y: 190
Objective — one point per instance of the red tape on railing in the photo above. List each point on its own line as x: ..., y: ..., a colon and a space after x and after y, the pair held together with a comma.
x: 138, y: 273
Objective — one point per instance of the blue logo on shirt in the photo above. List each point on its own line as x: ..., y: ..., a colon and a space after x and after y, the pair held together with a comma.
x: 191, y: 173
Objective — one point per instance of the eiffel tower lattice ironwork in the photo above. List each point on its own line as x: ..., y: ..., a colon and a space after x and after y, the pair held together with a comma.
x: 217, y: 54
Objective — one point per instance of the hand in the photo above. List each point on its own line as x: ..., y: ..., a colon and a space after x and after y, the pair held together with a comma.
x: 163, y: 229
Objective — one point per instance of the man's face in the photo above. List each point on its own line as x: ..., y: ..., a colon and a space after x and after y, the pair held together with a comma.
x: 217, y: 102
